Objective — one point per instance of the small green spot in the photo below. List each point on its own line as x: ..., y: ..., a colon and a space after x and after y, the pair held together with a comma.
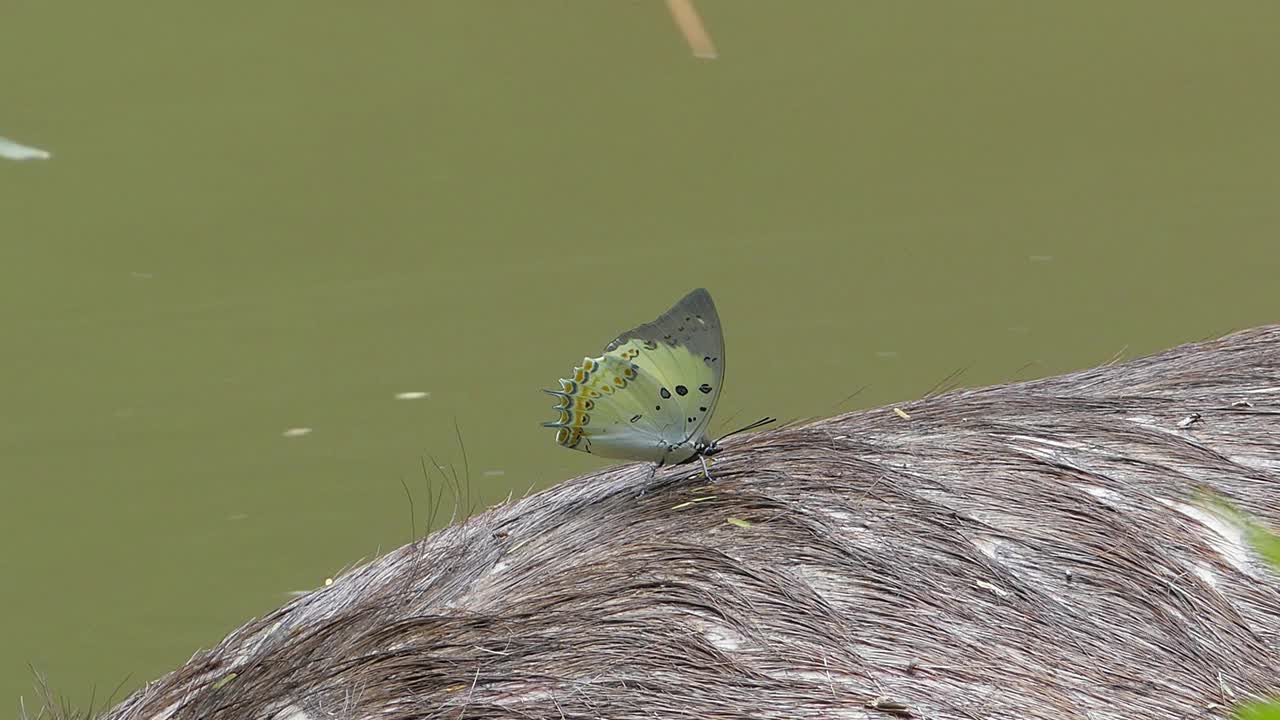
x: 218, y: 685
x: 739, y: 522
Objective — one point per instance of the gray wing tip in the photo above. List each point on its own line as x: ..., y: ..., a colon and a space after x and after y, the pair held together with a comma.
x: 697, y: 297
x: 696, y: 302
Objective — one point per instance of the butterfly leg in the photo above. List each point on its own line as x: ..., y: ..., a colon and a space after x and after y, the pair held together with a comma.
x: 653, y: 473
x: 706, y: 469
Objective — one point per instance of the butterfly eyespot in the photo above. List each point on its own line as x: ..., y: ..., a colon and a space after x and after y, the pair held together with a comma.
x: 593, y: 394
x: 682, y: 390
x: 579, y: 375
x: 607, y: 390
x: 629, y: 374
x: 589, y: 365
x: 702, y: 409
x: 565, y: 416
x: 704, y: 388
x: 657, y: 407
x: 568, y: 386
x: 587, y: 405
x: 562, y: 436
x: 584, y: 419
x: 665, y: 393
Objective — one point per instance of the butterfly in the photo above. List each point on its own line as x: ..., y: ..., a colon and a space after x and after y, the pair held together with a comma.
x: 652, y: 393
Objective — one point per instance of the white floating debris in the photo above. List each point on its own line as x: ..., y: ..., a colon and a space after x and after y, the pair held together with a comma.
x: 494, y: 473
x: 887, y: 354
x: 1041, y: 258
x: 15, y: 151
x: 297, y: 432
x: 141, y: 275
x: 414, y: 395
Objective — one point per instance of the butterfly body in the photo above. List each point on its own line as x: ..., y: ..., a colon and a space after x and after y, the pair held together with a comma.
x: 652, y: 393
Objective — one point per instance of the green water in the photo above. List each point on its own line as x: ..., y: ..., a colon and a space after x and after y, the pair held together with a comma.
x: 260, y: 217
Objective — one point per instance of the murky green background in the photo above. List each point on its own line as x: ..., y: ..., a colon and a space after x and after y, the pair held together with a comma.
x: 264, y: 216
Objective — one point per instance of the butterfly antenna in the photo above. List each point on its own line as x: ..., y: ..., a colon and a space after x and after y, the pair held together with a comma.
x: 748, y: 428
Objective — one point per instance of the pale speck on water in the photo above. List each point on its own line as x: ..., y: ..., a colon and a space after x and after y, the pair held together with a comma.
x: 297, y: 432
x: 413, y: 395
x: 238, y: 516
x: 1041, y: 258
x: 887, y: 354
x: 15, y: 151
x: 494, y: 473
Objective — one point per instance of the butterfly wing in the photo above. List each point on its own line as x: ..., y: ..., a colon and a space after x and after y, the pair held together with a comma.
x: 683, y: 351
x: 651, y: 395
x: 605, y: 410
